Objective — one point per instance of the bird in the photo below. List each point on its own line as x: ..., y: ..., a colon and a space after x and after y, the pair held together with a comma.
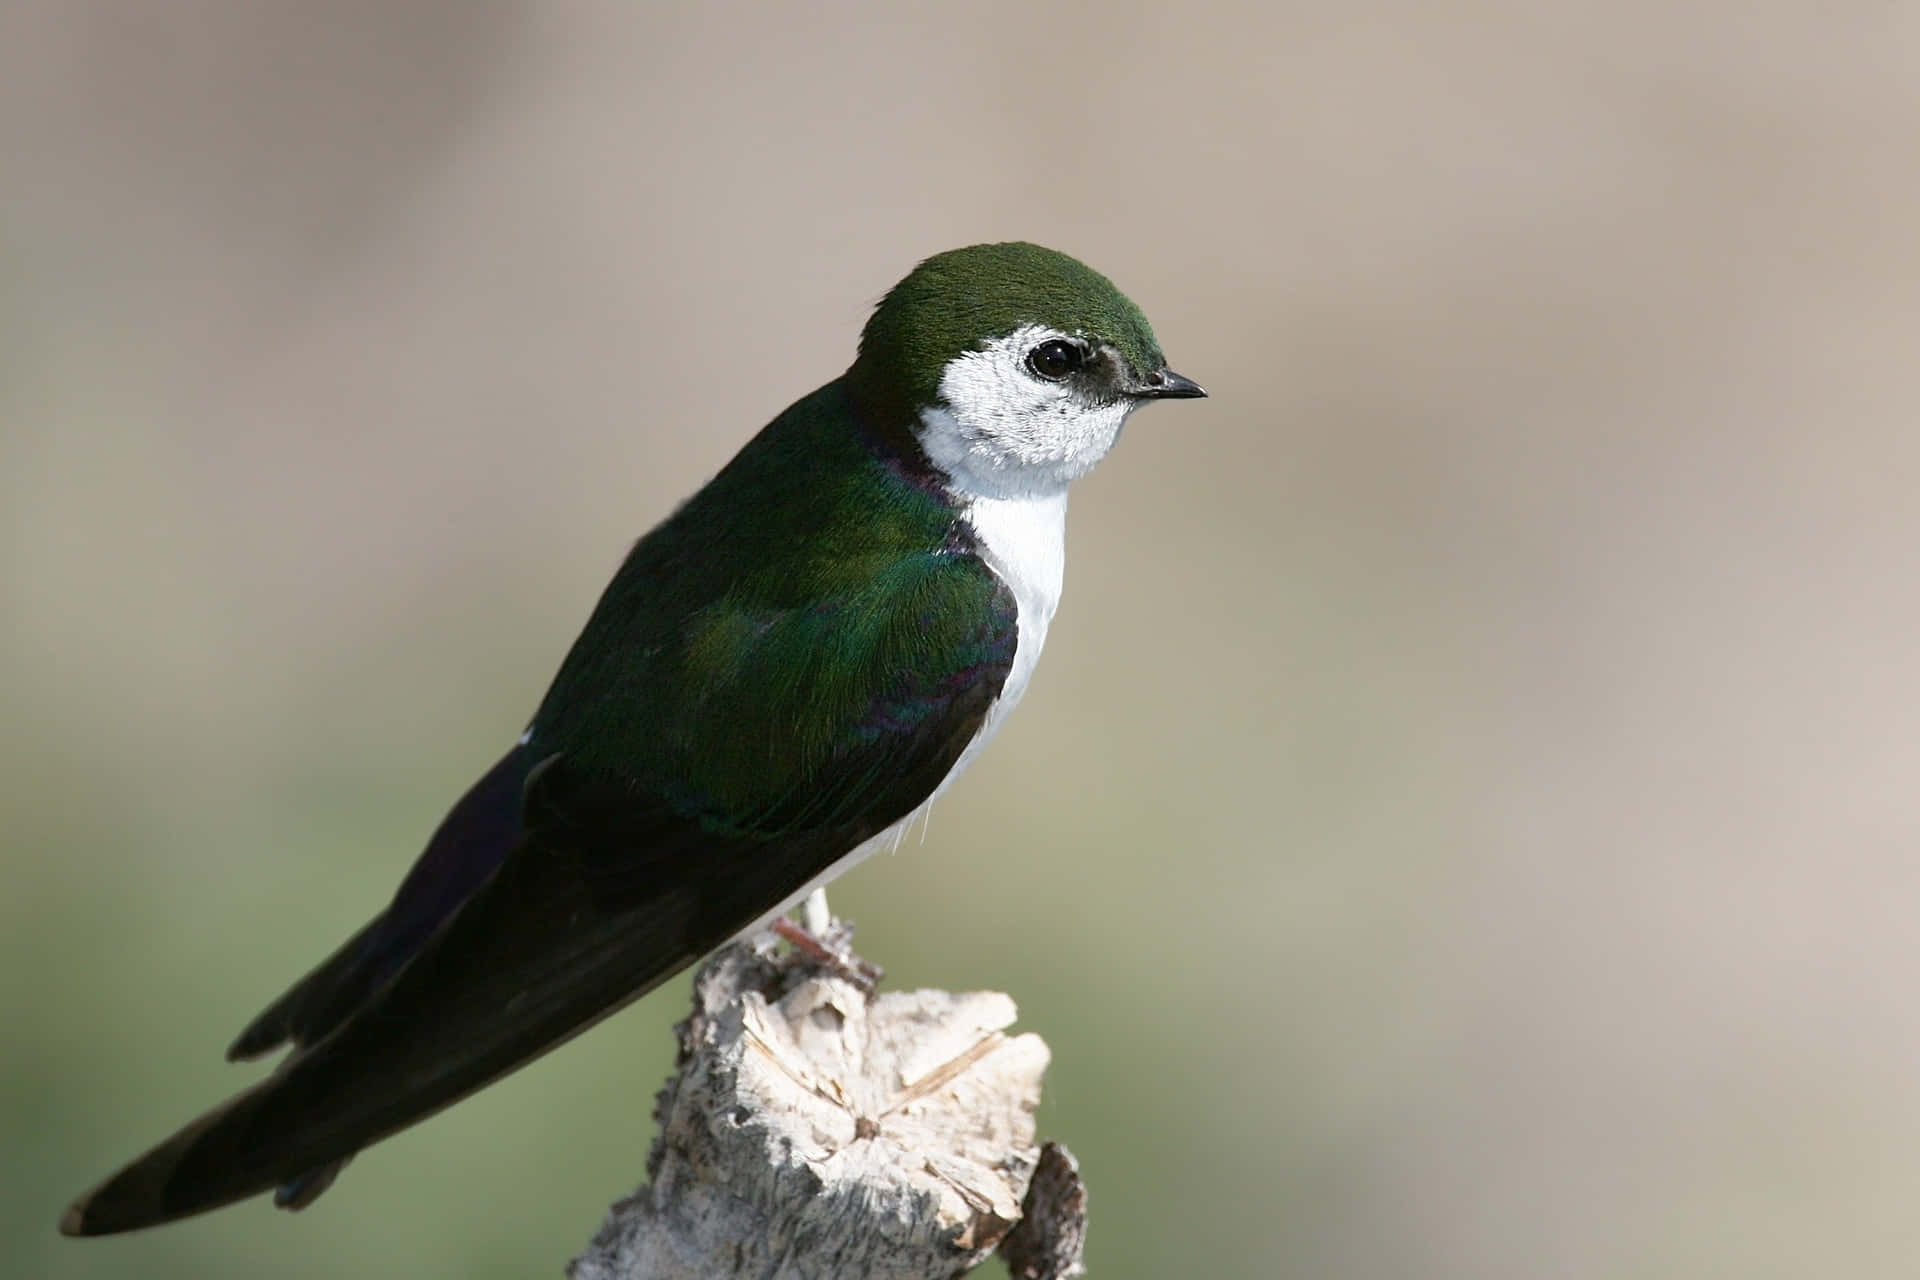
x: 778, y: 680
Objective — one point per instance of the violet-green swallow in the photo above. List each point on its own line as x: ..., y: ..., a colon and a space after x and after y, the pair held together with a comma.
x: 778, y: 680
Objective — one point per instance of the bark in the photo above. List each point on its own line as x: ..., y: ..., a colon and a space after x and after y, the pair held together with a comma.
x: 813, y: 1128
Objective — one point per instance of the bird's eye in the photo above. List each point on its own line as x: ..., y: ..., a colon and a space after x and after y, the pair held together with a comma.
x: 1054, y: 359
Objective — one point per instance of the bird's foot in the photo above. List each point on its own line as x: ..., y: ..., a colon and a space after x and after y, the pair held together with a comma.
x: 831, y: 949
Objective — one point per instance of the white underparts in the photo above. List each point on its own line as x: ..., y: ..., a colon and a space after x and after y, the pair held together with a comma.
x: 1024, y: 541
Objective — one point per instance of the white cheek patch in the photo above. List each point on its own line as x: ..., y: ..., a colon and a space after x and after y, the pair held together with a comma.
x: 1002, y: 432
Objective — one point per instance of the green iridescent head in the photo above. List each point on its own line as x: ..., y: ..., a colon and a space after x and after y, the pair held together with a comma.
x: 956, y: 302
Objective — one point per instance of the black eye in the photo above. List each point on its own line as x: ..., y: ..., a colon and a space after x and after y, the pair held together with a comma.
x: 1055, y: 359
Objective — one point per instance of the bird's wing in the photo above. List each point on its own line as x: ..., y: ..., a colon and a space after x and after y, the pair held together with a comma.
x: 810, y: 730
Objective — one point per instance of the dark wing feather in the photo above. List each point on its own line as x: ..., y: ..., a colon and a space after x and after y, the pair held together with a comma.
x: 613, y: 886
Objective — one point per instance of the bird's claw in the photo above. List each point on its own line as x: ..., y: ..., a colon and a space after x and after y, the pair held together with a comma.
x: 831, y: 950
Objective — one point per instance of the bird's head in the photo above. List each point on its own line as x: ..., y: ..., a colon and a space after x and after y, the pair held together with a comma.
x: 1016, y: 366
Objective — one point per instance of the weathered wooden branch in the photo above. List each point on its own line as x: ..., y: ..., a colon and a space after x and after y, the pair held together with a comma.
x: 814, y: 1129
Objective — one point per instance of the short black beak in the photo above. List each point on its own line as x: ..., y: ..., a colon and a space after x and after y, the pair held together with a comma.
x: 1168, y: 385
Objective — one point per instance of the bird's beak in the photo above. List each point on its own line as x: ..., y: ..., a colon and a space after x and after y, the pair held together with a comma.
x: 1168, y: 385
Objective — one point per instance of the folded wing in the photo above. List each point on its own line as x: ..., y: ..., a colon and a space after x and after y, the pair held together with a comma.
x: 515, y: 933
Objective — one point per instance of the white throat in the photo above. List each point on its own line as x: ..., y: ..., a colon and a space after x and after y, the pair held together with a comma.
x: 999, y: 431
x: 1010, y: 443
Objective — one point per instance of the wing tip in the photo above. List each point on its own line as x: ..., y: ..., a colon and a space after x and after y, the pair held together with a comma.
x: 122, y: 1203
x: 131, y: 1199
x: 262, y: 1035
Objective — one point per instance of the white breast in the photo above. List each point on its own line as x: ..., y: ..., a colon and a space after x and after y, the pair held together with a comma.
x: 1024, y: 541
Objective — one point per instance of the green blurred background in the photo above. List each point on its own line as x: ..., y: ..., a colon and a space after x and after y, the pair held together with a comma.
x: 1464, y: 824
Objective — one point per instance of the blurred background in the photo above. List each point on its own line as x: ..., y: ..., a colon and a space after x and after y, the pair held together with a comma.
x: 1464, y: 824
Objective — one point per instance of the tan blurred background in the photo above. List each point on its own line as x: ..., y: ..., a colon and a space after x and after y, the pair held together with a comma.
x: 1464, y: 825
